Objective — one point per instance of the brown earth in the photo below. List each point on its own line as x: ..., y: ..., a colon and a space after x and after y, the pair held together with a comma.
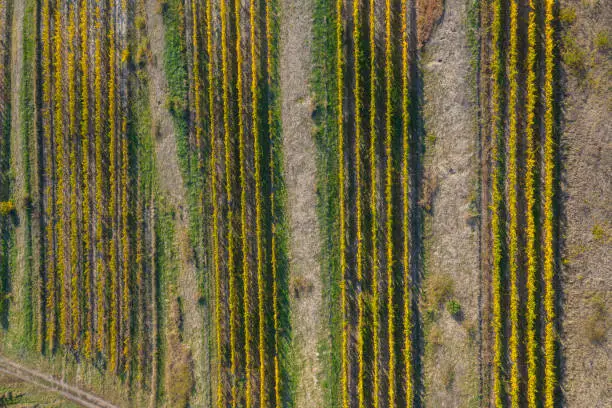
x: 429, y: 12
x: 300, y: 177
x: 451, y: 360
x: 587, y: 207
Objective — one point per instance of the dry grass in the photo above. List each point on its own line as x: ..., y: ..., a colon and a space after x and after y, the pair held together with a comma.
x: 428, y: 193
x: 179, y: 368
x: 596, y: 325
x: 439, y: 289
x: 429, y: 14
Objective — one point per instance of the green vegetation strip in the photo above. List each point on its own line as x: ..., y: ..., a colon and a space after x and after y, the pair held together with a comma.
x: 325, y: 86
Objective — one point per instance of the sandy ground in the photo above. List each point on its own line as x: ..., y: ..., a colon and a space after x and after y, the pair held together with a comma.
x: 587, y: 258
x: 300, y: 177
x: 171, y: 186
x: 451, y: 243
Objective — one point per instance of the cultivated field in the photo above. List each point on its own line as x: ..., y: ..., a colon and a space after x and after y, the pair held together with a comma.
x: 339, y: 203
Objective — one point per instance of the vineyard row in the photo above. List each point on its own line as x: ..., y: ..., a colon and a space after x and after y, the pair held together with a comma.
x: 523, y: 160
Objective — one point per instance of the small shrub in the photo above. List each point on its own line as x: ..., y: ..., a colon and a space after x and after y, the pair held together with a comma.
x: 448, y: 377
x: 430, y: 187
x: 439, y: 289
x: 471, y: 329
x: 430, y: 315
x: 598, y: 233
x: 125, y: 56
x: 431, y: 138
x: 176, y: 106
x: 7, y: 208
x: 596, y: 325
x: 473, y: 212
x: 140, y: 23
x: 567, y: 16
x: 454, y: 308
x: 163, y: 6
x: 142, y: 53
x: 435, y: 339
x: 301, y: 286
x: 602, y: 41
x: 575, y: 58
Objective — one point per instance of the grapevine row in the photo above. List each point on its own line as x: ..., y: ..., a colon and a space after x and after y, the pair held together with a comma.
x: 79, y: 288
x: 49, y: 181
x: 373, y: 207
x: 72, y: 137
x: 244, y: 228
x: 530, y: 217
x: 507, y: 232
x: 233, y: 300
x: 101, y: 272
x: 113, y: 196
x: 358, y: 204
x: 341, y: 195
x: 497, y: 176
x: 60, y: 174
x: 512, y: 191
x: 389, y: 203
x: 214, y: 195
x: 550, y: 373
x: 88, y: 346
x: 126, y: 333
x: 88, y: 284
x: 258, y: 204
x: 248, y: 375
x: 275, y: 248
x: 396, y: 172
x: 407, y: 350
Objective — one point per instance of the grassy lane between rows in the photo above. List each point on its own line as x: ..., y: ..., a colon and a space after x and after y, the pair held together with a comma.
x: 325, y: 88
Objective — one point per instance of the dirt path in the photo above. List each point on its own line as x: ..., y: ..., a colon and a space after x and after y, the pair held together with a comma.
x: 300, y: 176
x: 170, y: 182
x: 451, y: 241
x: 43, y: 380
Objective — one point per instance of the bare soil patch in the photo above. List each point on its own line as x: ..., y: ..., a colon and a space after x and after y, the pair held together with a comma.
x: 451, y: 236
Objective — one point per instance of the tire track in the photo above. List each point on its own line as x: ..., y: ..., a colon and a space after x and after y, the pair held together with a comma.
x: 46, y: 381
